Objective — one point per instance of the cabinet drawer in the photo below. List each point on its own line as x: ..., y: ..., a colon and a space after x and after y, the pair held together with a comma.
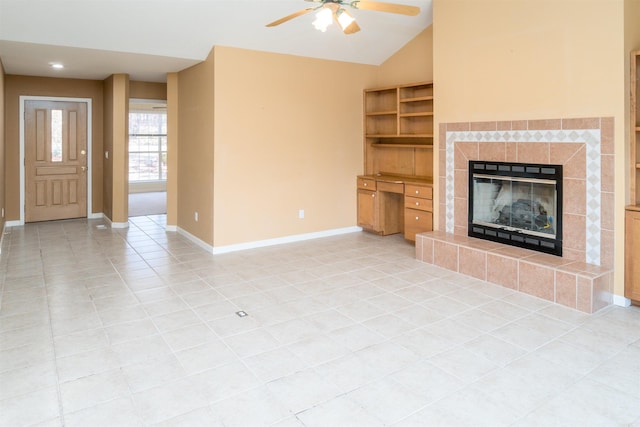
x: 419, y: 204
x: 420, y: 191
x: 367, y: 184
x: 391, y: 187
x: 415, y: 222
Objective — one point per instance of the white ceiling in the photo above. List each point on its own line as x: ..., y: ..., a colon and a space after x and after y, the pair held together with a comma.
x: 148, y: 38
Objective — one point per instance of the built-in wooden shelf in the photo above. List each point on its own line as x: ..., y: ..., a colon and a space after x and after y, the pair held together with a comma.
x: 391, y: 145
x: 400, y: 137
x: 417, y: 114
x: 383, y: 113
x: 632, y: 213
x: 417, y: 99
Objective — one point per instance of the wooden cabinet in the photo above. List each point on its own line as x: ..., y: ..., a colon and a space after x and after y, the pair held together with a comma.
x: 399, y: 130
x: 367, y: 205
x: 418, y: 210
x: 395, y: 194
x: 393, y: 204
x: 380, y: 206
x: 632, y: 214
x: 632, y: 254
x: 368, y: 210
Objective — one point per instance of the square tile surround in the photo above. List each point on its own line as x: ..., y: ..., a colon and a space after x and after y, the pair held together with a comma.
x: 583, y: 277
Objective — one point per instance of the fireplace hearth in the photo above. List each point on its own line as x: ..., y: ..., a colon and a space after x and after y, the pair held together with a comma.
x: 517, y: 204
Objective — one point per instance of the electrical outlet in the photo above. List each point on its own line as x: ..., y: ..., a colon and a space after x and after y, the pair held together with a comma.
x: 195, y: 216
x: 301, y: 213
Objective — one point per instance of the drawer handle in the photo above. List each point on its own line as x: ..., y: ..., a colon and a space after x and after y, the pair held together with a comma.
x: 373, y: 195
x: 417, y: 218
x: 417, y: 191
x: 417, y: 203
x: 365, y: 184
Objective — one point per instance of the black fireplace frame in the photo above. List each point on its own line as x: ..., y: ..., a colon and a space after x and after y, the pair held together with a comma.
x: 516, y: 237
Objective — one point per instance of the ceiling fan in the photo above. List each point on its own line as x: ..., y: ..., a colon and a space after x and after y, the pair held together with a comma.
x: 334, y: 10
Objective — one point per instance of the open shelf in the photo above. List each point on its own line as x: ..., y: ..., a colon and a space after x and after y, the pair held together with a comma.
x: 382, y: 113
x: 401, y: 145
x: 399, y: 130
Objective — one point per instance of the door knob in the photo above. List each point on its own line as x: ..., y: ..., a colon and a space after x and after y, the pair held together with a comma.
x: 84, y: 168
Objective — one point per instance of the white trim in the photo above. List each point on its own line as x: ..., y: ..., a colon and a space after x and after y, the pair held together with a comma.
x: 195, y: 240
x: 14, y: 223
x: 23, y: 99
x: 96, y: 215
x: 171, y: 228
x: 282, y: 240
x: 2, y: 236
x: 621, y: 301
x: 112, y: 224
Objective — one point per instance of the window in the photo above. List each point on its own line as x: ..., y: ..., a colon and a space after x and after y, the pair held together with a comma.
x: 56, y: 135
x: 147, y: 145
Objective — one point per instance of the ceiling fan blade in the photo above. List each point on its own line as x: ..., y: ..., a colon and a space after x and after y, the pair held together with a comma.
x: 290, y: 17
x: 401, y: 9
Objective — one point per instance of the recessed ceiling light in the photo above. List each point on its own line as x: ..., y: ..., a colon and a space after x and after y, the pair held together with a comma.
x: 56, y: 65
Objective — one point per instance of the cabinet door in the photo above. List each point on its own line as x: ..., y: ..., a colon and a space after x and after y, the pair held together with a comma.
x: 632, y: 256
x: 368, y: 210
x: 416, y: 221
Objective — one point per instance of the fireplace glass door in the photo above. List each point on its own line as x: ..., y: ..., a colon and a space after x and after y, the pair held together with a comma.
x: 515, y: 203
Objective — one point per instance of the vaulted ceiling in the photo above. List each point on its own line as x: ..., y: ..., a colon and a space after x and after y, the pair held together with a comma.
x: 149, y: 38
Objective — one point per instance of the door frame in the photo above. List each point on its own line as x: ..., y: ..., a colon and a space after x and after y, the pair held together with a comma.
x: 88, y: 101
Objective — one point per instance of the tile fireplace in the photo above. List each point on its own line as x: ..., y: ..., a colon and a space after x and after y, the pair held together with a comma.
x: 580, y: 274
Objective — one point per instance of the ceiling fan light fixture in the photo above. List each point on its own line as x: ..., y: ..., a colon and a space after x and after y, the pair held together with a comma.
x: 344, y: 19
x: 324, y: 18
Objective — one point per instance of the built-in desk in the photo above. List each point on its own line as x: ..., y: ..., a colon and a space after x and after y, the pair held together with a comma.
x: 390, y: 204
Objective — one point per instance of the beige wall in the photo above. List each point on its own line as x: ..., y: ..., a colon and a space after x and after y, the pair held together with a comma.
x: 116, y: 136
x: 195, y: 149
x: 147, y: 90
x: 288, y: 136
x: 172, y: 149
x: 108, y: 148
x: 16, y: 86
x: 2, y: 166
x: 526, y: 59
x: 411, y: 64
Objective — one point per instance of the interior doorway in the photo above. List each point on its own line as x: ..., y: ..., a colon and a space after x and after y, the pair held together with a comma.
x: 147, y: 157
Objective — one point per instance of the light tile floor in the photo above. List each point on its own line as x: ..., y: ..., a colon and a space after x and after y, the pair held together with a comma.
x: 137, y: 327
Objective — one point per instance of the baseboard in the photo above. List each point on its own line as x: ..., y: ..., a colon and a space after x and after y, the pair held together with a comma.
x: 4, y: 225
x: 14, y: 223
x: 171, y: 228
x: 621, y: 301
x: 96, y: 215
x: 283, y: 240
x: 194, y: 239
x: 115, y: 224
